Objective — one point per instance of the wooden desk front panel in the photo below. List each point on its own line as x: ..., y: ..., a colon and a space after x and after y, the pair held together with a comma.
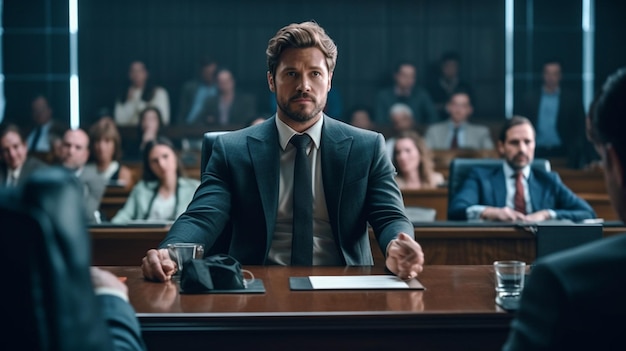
x: 456, y: 311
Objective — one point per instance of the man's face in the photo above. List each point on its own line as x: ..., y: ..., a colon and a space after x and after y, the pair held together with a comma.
x: 405, y: 77
x: 552, y: 75
x: 225, y: 82
x: 450, y: 69
x: 41, y: 111
x: 459, y: 108
x: 519, y: 146
x: 613, y: 177
x: 75, y: 149
x: 138, y: 73
x: 13, y: 150
x: 208, y: 73
x: 301, y: 83
x: 400, y: 121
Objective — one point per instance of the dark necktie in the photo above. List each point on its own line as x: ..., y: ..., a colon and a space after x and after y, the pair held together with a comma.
x: 455, y: 139
x: 302, y: 236
x: 35, y: 140
x: 519, y: 201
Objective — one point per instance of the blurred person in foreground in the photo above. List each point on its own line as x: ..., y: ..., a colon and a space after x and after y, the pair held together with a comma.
x: 248, y: 185
x: 575, y: 297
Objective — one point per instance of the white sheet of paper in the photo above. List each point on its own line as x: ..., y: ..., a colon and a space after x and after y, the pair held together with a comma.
x: 358, y: 282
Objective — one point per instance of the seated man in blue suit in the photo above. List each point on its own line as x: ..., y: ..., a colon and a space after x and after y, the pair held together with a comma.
x: 576, y: 297
x: 516, y: 192
x: 249, y: 185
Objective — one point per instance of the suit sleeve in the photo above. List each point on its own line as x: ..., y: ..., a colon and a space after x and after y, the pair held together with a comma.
x: 569, y: 205
x: 209, y: 210
x: 536, y: 324
x: 122, y: 323
x: 466, y: 196
x: 386, y: 207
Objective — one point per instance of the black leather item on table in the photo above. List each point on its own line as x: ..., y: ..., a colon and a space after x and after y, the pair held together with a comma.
x: 217, y: 272
x: 302, y: 233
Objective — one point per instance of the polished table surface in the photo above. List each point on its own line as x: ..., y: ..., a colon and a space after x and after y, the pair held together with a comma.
x: 456, y: 311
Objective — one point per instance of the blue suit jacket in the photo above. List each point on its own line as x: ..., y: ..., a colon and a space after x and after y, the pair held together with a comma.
x: 573, y: 298
x: 486, y: 186
x: 239, y: 193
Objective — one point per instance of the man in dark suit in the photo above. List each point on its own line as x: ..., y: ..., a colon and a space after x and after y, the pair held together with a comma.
x: 515, y: 191
x: 249, y: 183
x: 405, y: 90
x: 576, y: 297
x: 75, y: 156
x: 558, y: 116
x: 16, y: 165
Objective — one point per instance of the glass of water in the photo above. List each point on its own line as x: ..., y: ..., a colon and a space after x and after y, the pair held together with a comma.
x: 509, y: 278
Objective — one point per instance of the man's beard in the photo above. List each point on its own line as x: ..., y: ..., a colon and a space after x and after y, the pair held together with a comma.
x: 300, y: 115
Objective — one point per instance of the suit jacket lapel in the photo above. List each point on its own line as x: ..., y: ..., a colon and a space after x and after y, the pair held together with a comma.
x: 335, y: 150
x: 534, y: 189
x: 264, y: 152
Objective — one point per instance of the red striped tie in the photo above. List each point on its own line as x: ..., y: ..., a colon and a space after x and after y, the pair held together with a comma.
x: 519, y: 201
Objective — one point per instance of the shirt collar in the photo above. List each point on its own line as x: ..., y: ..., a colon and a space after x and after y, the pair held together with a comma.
x: 509, y: 172
x: 285, y: 132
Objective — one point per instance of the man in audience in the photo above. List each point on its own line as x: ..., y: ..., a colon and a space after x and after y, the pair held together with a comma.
x: 558, y: 116
x: 45, y: 127
x: 575, y: 297
x: 457, y: 132
x: 401, y: 118
x: 446, y: 82
x: 230, y: 107
x: 516, y: 191
x: 195, y: 93
x: 301, y: 187
x: 405, y: 90
x: 16, y: 165
x: 75, y: 157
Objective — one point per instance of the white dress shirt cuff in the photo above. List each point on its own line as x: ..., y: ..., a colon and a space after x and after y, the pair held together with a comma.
x: 111, y: 291
x: 474, y: 212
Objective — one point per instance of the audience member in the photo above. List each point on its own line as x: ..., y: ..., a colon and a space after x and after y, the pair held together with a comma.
x: 164, y: 192
x: 575, y: 297
x: 248, y: 185
x: 75, y: 156
x: 414, y: 163
x: 558, y: 116
x: 45, y: 126
x: 15, y: 164
x: 516, y: 191
x: 196, y: 92
x: 405, y: 90
x: 230, y: 106
x: 446, y: 82
x: 106, y: 150
x: 361, y: 116
x: 457, y: 132
x: 140, y: 93
x: 401, y: 118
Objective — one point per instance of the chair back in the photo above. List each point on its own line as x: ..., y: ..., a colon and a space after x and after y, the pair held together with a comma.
x: 461, y: 167
x: 49, y: 298
x: 207, y: 147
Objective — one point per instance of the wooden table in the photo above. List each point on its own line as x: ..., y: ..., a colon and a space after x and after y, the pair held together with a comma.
x: 455, y: 312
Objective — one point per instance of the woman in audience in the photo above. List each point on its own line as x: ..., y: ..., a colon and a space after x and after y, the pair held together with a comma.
x: 139, y: 94
x: 164, y: 192
x: 106, y: 152
x: 414, y: 163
